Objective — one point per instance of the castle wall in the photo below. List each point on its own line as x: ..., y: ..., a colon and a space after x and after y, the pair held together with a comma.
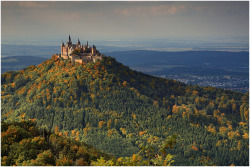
x: 64, y: 57
x: 74, y: 58
x: 70, y: 51
x: 87, y: 57
x: 95, y: 58
x: 79, y: 61
x: 65, y: 51
x: 93, y: 51
x: 86, y: 54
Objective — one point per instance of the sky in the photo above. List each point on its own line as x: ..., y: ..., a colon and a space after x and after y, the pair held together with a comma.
x: 33, y: 20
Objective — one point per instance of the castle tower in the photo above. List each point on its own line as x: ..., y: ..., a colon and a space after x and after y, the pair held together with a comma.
x: 69, y: 39
x: 94, y: 50
x: 78, y: 43
x: 69, y: 43
x: 83, y: 47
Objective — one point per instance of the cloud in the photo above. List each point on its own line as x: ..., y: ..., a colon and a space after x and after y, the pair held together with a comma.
x: 151, y: 10
x: 198, y: 8
x: 72, y: 16
x: 29, y: 4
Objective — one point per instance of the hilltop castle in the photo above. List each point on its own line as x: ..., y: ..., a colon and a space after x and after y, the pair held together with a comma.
x: 79, y: 53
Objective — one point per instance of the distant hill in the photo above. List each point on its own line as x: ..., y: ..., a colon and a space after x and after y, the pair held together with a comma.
x: 27, y: 50
x: 206, y: 68
x: 120, y: 111
x: 14, y: 63
x: 154, y: 59
x: 211, y: 59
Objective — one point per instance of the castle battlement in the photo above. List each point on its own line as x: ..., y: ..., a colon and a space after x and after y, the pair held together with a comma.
x: 79, y: 53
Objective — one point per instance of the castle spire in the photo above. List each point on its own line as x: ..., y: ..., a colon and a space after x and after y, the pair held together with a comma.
x: 87, y: 43
x: 78, y: 42
x: 69, y: 39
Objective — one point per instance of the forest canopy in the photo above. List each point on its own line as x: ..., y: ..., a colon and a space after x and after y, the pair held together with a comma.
x: 120, y: 111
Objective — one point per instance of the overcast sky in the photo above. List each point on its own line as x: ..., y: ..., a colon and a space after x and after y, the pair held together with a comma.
x: 123, y: 20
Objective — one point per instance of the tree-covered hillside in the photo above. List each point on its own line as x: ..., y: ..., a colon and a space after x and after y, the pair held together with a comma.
x: 115, y: 109
x: 23, y: 144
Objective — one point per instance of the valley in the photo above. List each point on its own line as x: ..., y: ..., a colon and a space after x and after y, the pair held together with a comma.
x: 226, y: 70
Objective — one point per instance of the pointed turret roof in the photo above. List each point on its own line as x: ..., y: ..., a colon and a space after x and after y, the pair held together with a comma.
x: 69, y: 39
x: 78, y: 42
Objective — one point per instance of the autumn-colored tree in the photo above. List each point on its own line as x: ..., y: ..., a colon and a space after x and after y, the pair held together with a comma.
x: 56, y: 129
x: 109, y: 123
x: 101, y: 124
x: 133, y: 115
x: 123, y: 130
x: 245, y: 136
x: 142, y: 133
x: 195, y: 92
x: 124, y: 83
x: 81, y: 162
x: 194, y: 147
x: 64, y: 161
x: 175, y: 109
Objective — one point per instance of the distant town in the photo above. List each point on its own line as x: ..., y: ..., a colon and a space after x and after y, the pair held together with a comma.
x: 238, y: 84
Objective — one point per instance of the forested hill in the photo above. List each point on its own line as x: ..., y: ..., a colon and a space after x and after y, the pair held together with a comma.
x: 119, y: 110
x: 23, y: 144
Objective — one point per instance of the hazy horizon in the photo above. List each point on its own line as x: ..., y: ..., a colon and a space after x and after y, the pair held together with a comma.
x: 35, y: 22
x: 105, y: 46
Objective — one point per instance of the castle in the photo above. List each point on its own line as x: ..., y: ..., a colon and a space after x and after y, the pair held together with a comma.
x: 79, y: 53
